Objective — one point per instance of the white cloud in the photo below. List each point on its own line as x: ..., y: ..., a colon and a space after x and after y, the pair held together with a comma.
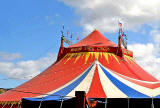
x: 155, y: 33
x: 26, y: 69
x: 103, y: 14
x: 10, y: 56
x: 141, y: 50
x: 146, y: 56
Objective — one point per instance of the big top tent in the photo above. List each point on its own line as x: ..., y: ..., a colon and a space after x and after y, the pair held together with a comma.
x: 94, y: 65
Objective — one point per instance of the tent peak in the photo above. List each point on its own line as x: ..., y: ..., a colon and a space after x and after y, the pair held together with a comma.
x: 95, y: 38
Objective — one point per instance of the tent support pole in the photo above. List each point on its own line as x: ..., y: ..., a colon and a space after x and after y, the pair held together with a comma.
x: 152, y: 103
x: 106, y: 103
x: 40, y: 103
x: 62, y: 102
x: 128, y: 102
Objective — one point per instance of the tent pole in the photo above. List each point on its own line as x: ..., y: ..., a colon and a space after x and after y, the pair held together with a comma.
x: 152, y: 103
x: 106, y: 103
x: 128, y: 102
x: 62, y: 102
x: 40, y: 103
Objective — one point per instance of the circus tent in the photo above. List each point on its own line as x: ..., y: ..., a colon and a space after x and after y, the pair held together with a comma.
x: 95, y: 65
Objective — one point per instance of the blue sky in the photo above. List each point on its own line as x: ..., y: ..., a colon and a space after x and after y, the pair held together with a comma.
x: 30, y: 32
x: 32, y: 26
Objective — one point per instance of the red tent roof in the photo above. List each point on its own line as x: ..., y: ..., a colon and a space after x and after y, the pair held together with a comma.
x: 94, y: 39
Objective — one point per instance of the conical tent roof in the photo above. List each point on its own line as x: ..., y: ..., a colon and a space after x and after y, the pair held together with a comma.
x: 94, y: 39
x: 91, y: 65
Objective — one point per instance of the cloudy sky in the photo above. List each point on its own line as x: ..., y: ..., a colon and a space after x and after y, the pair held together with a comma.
x: 30, y: 32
